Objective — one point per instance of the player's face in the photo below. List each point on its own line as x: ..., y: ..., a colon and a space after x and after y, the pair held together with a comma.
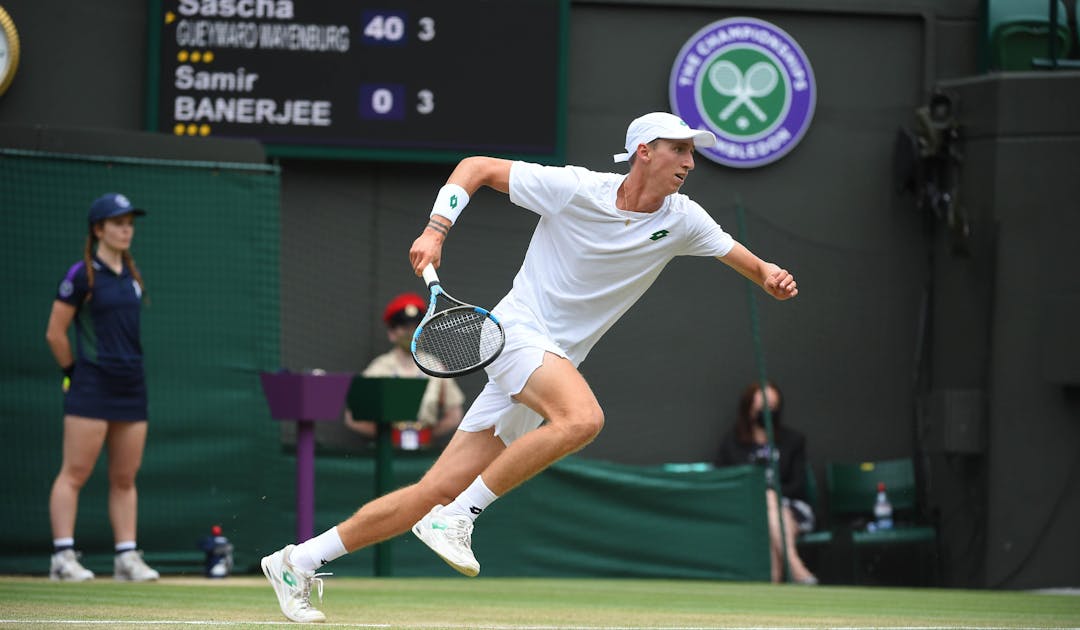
x: 116, y: 233
x: 672, y: 162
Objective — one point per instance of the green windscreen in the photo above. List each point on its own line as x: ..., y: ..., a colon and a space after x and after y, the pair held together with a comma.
x: 580, y: 518
x: 208, y: 253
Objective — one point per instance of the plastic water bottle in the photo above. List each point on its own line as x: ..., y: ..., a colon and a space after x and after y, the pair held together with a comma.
x: 882, y: 509
x: 219, y: 558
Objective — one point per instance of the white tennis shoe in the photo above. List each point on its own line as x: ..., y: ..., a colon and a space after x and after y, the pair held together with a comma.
x: 129, y: 566
x: 64, y: 566
x: 451, y: 538
x: 293, y: 586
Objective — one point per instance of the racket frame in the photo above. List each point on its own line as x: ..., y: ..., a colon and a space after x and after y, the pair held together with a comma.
x: 436, y: 290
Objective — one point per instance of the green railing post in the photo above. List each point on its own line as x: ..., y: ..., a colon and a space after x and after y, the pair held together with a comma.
x: 385, y: 401
x: 759, y: 354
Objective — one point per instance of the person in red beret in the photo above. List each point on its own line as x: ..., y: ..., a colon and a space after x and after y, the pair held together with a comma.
x: 440, y: 409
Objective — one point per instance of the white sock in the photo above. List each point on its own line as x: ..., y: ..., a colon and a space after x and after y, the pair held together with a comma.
x: 472, y: 502
x: 312, y: 554
x: 126, y: 545
x: 59, y: 544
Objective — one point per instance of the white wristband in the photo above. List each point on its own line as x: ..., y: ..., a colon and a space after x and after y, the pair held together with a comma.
x: 451, y: 201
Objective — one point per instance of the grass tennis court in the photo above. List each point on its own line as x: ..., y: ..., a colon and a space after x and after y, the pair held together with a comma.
x: 522, y: 603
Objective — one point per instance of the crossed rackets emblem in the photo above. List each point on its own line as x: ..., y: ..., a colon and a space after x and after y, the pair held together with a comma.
x: 748, y: 82
x: 759, y: 81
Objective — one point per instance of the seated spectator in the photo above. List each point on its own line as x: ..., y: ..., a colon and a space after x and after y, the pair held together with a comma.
x: 747, y: 443
x: 440, y: 409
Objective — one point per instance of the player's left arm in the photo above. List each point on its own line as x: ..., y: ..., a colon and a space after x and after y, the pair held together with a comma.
x: 773, y: 279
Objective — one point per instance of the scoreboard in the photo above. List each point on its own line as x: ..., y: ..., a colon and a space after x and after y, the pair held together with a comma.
x: 419, y: 80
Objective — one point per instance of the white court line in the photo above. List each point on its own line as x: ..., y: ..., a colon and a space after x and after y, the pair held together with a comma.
x: 159, y: 622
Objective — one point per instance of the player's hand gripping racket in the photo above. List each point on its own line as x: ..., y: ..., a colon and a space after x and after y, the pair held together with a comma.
x: 454, y: 338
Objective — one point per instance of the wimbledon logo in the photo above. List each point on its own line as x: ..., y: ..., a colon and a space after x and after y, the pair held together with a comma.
x: 749, y: 83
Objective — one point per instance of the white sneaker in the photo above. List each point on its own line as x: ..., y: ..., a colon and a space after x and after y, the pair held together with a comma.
x: 130, y: 567
x: 451, y: 538
x: 293, y: 586
x: 65, y: 567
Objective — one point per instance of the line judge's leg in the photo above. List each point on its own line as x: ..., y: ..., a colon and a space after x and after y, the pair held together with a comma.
x: 127, y: 441
x: 83, y: 439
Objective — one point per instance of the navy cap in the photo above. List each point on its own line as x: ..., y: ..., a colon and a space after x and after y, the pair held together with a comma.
x: 112, y: 205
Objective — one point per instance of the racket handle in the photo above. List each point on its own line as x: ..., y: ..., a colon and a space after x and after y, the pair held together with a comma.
x: 430, y: 277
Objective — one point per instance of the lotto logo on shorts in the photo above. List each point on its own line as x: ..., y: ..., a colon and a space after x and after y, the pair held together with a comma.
x: 748, y: 82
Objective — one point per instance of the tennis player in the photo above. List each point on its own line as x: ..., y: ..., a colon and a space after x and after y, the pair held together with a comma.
x: 601, y: 241
x: 104, y: 387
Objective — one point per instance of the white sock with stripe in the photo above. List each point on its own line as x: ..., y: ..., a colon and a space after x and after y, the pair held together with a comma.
x: 312, y: 554
x: 472, y: 502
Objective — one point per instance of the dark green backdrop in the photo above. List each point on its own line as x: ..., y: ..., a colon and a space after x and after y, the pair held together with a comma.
x: 580, y: 518
x: 208, y: 251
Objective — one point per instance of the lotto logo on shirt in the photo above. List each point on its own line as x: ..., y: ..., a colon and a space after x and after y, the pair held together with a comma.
x: 748, y: 82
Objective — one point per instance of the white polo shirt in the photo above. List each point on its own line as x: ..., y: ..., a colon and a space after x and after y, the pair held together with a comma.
x: 588, y: 261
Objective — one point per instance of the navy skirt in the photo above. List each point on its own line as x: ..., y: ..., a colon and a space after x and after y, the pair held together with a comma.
x: 101, y: 395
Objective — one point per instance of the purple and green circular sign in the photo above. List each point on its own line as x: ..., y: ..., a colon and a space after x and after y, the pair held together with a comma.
x: 749, y: 83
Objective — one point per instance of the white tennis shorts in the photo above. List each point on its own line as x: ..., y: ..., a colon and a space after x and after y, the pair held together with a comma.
x: 507, y: 375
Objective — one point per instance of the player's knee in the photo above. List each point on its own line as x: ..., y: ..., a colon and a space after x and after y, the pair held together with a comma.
x: 596, y: 423
x: 583, y: 427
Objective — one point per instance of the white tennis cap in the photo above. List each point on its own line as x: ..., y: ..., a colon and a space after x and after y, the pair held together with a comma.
x: 645, y: 129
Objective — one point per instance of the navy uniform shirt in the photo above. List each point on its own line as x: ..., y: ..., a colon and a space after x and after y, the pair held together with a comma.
x: 106, y: 326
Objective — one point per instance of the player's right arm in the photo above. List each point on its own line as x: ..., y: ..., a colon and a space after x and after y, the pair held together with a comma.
x: 469, y: 175
x: 474, y: 172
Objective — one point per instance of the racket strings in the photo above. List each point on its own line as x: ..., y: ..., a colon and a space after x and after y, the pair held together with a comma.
x: 458, y: 340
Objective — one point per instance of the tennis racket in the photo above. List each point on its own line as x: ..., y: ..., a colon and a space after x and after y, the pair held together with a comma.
x: 454, y: 338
